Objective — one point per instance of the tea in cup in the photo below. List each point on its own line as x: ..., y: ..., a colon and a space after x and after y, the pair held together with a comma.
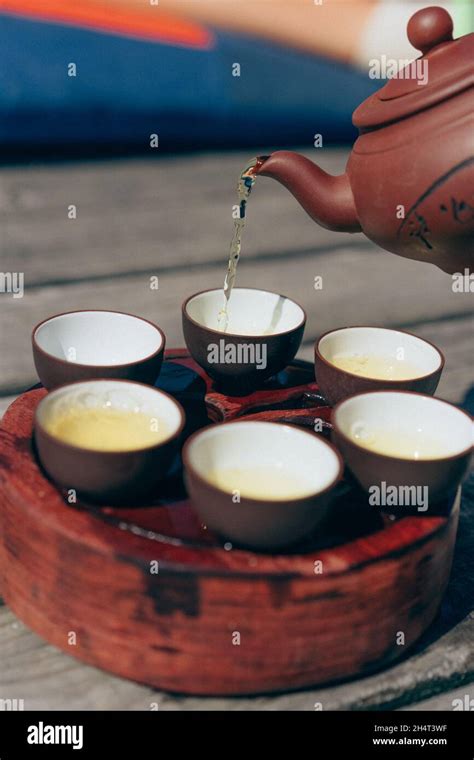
x: 261, y: 484
x: 108, y: 439
x: 352, y: 360
x: 404, y: 439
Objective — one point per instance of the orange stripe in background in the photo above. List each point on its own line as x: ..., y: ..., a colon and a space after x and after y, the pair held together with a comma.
x: 148, y: 21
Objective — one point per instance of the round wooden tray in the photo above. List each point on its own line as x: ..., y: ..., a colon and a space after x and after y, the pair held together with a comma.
x: 214, y: 619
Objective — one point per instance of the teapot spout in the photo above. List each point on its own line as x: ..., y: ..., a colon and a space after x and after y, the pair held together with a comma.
x: 328, y: 200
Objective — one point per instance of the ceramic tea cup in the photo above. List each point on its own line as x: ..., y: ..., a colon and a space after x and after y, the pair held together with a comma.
x: 261, y: 484
x: 86, y: 440
x: 353, y: 360
x: 263, y: 335
x: 402, y: 439
x: 83, y: 345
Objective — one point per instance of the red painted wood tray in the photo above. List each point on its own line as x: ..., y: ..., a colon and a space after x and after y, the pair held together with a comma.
x: 330, y: 608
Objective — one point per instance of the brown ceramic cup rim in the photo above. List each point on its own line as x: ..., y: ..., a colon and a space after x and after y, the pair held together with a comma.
x: 116, y: 452
x: 105, y: 367
x: 379, y: 379
x: 241, y: 335
x: 429, y: 460
x: 188, y: 466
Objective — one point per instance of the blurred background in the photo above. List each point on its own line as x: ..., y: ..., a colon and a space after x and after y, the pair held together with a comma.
x: 96, y: 76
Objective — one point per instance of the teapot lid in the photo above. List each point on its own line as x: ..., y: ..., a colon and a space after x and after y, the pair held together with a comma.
x: 444, y: 68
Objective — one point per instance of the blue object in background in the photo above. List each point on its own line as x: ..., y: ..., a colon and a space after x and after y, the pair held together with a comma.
x: 127, y: 89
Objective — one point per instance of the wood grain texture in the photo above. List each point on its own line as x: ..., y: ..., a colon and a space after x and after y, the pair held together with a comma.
x: 71, y: 572
x: 454, y: 337
x: 47, y: 679
x: 172, y: 218
x: 136, y: 214
x: 334, y: 306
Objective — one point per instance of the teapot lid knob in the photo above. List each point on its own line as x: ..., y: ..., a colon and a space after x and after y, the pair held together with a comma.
x: 429, y: 27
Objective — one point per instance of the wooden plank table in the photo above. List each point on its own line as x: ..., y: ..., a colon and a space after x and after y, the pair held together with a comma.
x: 171, y: 217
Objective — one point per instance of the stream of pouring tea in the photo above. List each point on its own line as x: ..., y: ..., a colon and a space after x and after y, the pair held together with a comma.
x: 244, y: 188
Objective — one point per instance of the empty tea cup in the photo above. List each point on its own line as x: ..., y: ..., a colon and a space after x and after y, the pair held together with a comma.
x: 83, y: 345
x: 263, y: 334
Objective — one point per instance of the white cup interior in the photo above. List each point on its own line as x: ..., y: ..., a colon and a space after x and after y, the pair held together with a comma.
x: 250, y: 312
x: 406, y: 414
x: 308, y: 460
x: 96, y: 394
x: 101, y: 338
x: 381, y: 342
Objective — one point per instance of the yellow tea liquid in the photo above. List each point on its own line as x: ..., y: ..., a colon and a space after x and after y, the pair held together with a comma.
x: 244, y: 188
x: 402, y: 445
x: 377, y: 367
x: 107, y: 429
x: 259, y: 482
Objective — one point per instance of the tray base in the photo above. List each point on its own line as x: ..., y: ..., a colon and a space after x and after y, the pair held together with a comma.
x: 147, y: 593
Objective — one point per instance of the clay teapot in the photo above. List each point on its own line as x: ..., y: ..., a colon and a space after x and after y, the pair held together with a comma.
x: 409, y: 181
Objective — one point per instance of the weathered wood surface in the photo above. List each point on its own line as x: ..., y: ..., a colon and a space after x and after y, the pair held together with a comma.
x: 172, y: 218
x: 47, y: 679
x: 453, y: 337
x: 340, y: 303
x: 140, y: 215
